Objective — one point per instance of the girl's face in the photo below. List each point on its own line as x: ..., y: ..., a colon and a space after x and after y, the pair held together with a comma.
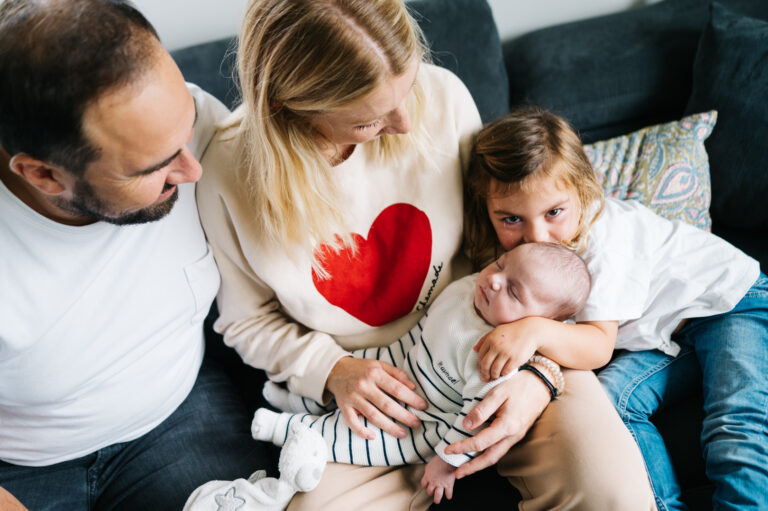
x: 548, y: 212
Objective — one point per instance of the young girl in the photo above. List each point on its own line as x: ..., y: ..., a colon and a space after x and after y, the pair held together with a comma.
x: 665, y: 293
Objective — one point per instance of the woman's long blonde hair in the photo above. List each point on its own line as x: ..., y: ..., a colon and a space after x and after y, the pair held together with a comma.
x: 510, y: 154
x: 297, y: 59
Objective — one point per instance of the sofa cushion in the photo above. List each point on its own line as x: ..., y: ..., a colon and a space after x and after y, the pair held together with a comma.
x: 664, y: 166
x: 463, y: 37
x: 211, y: 66
x: 461, y: 34
x: 613, y: 74
x: 731, y: 75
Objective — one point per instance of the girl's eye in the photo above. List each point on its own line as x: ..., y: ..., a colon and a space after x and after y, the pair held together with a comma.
x: 498, y: 264
x: 554, y: 212
x: 367, y: 126
x: 511, y: 219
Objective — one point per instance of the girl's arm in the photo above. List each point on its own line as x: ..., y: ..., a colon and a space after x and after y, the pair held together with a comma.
x: 586, y: 345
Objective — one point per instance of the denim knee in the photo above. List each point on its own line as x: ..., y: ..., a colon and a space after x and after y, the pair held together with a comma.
x: 640, y: 382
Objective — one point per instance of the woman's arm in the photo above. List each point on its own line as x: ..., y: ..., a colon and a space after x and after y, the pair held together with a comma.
x: 309, y: 361
x: 586, y: 345
x: 254, y: 324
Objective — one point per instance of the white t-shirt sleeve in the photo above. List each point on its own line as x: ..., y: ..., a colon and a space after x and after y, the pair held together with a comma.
x: 650, y: 273
x: 619, y: 265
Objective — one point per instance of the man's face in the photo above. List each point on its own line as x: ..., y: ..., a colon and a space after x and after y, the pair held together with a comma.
x: 141, y: 131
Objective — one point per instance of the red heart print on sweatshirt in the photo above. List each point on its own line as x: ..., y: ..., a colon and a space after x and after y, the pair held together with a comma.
x: 381, y: 280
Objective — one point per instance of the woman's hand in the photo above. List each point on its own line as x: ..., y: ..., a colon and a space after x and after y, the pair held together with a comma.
x: 505, y: 348
x: 516, y: 404
x: 367, y: 387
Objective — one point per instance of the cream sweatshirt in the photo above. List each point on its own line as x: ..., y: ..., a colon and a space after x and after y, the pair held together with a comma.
x: 406, y: 215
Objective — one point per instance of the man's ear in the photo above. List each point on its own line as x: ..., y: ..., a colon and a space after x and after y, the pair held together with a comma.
x: 45, y: 177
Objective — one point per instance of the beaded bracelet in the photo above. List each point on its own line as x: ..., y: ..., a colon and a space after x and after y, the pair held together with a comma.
x: 552, y: 368
x: 550, y: 387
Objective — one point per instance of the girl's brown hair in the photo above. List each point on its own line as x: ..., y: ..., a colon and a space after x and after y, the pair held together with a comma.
x: 508, y: 155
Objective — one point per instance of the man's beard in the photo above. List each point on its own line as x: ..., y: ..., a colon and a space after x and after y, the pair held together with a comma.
x: 85, y: 203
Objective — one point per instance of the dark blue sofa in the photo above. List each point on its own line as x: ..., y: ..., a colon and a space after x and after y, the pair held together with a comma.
x: 608, y: 75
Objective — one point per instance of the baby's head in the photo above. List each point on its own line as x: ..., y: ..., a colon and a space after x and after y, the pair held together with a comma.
x: 532, y: 279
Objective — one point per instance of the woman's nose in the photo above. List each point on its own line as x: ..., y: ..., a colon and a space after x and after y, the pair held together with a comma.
x: 398, y: 122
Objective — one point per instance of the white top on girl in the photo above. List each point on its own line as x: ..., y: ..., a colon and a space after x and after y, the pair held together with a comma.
x: 650, y: 273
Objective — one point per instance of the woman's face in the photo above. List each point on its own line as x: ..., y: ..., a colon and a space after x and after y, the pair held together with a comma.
x: 380, y: 111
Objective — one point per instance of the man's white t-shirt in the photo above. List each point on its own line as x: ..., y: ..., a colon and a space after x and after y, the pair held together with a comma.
x: 100, y: 325
x: 650, y: 273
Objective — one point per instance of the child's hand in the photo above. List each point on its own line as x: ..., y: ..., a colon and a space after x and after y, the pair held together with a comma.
x: 438, y: 479
x: 507, y: 347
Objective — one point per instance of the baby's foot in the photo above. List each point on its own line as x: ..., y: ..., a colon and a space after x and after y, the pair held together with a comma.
x: 263, y: 425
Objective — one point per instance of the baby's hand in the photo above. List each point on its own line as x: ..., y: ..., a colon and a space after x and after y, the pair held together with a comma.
x: 438, y: 479
x: 505, y: 348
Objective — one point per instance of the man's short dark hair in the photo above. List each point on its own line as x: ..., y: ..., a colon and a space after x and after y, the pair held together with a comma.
x: 57, y: 57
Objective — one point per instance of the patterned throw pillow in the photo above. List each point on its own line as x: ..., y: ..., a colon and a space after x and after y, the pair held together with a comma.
x: 664, y: 166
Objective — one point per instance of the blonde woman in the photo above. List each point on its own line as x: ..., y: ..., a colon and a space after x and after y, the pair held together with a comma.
x: 333, y: 202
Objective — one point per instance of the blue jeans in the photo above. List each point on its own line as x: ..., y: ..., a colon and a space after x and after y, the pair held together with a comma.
x: 207, y: 437
x: 727, y: 357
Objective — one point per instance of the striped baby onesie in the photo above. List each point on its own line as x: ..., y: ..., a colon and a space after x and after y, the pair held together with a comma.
x: 437, y: 354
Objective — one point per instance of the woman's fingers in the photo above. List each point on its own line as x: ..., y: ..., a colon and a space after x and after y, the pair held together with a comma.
x: 490, y: 457
x: 372, y: 389
x: 383, y: 407
x: 395, y: 388
x: 399, y: 374
x: 497, y: 431
x: 383, y: 410
x: 355, y: 423
x: 483, y: 410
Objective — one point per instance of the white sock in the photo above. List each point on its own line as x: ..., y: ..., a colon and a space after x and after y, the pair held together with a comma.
x: 263, y: 424
x: 271, y: 426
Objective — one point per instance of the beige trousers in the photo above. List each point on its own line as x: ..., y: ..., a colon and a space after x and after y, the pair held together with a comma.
x: 578, y: 455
